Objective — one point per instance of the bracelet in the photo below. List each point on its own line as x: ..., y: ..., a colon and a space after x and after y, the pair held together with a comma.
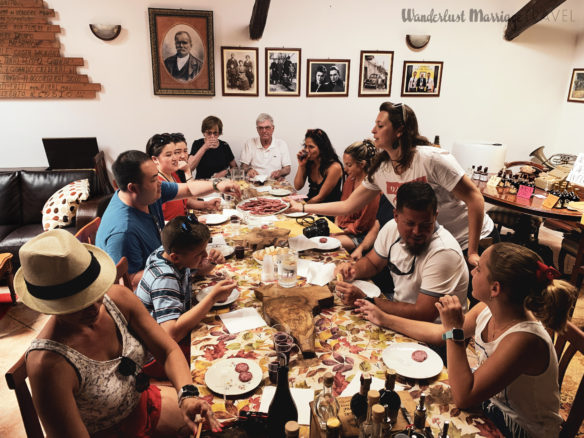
x: 189, y: 178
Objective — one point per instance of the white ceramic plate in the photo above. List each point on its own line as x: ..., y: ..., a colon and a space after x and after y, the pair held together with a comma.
x: 232, y: 212
x: 230, y: 299
x: 214, y: 219
x: 226, y: 250
x: 285, y: 206
x: 296, y: 214
x: 368, y: 288
x: 331, y: 243
x: 222, y: 378
x: 280, y: 192
x: 398, y: 356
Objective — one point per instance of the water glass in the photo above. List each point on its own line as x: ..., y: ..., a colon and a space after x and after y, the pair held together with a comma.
x: 287, y: 268
x: 237, y: 174
x: 235, y: 223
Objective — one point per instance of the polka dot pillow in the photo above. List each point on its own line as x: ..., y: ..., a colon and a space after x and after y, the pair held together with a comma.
x: 60, y: 209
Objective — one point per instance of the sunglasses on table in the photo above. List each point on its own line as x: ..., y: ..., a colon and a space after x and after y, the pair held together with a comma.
x: 393, y: 268
x: 128, y: 367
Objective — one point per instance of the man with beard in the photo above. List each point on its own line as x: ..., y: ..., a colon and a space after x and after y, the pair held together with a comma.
x: 425, y: 261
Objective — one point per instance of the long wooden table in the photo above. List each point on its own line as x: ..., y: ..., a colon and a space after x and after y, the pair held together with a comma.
x: 345, y: 345
x: 534, y: 206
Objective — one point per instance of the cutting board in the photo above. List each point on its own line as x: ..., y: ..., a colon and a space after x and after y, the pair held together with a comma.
x: 293, y: 309
x: 259, y: 238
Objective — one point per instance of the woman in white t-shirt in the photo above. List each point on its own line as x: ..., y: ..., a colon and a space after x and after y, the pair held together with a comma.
x: 517, y: 377
x: 405, y: 156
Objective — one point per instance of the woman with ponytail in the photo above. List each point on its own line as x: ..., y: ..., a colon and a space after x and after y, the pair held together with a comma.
x: 517, y: 377
x: 357, y: 160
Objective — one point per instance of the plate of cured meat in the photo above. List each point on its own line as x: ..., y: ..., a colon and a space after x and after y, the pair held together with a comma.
x: 412, y: 360
x: 264, y: 206
x: 233, y: 376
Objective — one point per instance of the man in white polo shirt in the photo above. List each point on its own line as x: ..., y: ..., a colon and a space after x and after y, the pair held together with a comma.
x: 265, y: 155
x: 425, y: 261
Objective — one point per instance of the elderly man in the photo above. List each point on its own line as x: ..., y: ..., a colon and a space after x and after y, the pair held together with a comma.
x: 424, y: 259
x: 265, y: 155
x: 131, y: 224
x: 336, y: 83
x: 183, y: 66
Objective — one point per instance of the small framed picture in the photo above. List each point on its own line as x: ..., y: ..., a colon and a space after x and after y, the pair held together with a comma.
x: 327, y: 77
x: 282, y: 72
x: 576, y: 93
x: 239, y: 71
x: 421, y: 79
x: 375, y: 73
x: 182, y: 52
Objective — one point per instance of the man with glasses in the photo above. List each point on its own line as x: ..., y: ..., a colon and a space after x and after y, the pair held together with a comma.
x: 265, y: 155
x: 183, y: 65
x: 131, y: 224
x: 424, y: 260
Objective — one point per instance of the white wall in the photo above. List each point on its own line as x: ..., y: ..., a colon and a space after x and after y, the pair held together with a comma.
x: 510, y: 92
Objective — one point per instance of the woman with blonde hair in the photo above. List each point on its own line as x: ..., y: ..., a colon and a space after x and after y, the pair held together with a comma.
x: 357, y: 160
x: 517, y: 377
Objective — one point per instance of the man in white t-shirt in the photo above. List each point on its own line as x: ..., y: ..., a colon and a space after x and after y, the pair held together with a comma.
x: 265, y: 155
x: 425, y: 261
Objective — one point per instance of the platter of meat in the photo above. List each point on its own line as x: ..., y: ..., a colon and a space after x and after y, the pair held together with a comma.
x: 235, y: 376
x: 411, y: 360
x: 264, y: 206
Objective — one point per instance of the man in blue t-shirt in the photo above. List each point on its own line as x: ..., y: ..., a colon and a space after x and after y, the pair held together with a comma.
x: 131, y: 224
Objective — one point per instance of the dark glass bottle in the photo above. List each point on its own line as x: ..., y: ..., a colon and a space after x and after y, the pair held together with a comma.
x: 389, y: 399
x: 359, y: 400
x: 420, y: 414
x: 292, y: 429
x: 333, y: 428
x: 437, y: 140
x: 282, y: 409
x: 444, y: 433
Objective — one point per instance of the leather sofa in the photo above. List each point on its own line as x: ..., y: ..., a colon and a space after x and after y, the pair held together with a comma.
x: 23, y: 194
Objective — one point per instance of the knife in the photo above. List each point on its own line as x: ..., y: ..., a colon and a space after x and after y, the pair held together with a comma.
x: 406, y: 415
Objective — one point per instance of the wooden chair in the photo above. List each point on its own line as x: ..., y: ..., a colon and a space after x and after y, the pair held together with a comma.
x: 567, y: 345
x: 16, y: 380
x: 88, y: 232
x: 122, y: 276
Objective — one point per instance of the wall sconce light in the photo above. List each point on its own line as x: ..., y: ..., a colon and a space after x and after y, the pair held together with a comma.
x: 417, y: 42
x: 106, y: 32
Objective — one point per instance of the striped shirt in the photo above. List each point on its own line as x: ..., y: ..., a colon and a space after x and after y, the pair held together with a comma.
x: 164, y: 289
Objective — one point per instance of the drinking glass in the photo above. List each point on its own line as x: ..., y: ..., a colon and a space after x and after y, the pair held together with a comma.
x: 235, y: 223
x: 287, y: 268
x: 237, y: 174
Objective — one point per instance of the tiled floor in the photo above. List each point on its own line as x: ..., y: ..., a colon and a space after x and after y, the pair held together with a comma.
x: 21, y: 324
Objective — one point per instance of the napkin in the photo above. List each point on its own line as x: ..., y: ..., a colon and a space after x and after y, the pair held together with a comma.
x: 301, y: 243
x: 242, y: 319
x: 377, y: 384
x: 316, y: 273
x: 263, y: 189
x: 301, y: 398
x: 261, y: 178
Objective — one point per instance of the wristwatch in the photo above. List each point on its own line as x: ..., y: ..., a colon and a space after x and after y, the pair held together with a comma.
x: 187, y: 391
x: 456, y: 334
x: 371, y: 300
x: 215, y: 182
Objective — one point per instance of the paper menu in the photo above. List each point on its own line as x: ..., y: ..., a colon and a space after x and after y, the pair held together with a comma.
x: 242, y: 319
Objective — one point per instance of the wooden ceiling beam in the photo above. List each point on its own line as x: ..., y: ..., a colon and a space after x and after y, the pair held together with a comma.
x: 528, y: 15
x: 258, y: 20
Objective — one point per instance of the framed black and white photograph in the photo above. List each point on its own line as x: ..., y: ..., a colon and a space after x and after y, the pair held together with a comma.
x: 421, y: 79
x: 327, y: 77
x: 239, y: 71
x: 576, y: 93
x: 375, y: 72
x: 182, y: 52
x: 283, y: 72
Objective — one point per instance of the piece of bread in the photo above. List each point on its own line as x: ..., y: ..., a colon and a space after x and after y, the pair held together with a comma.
x: 339, y: 277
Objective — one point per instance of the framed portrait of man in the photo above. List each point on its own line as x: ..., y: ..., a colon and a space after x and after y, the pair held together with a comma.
x: 422, y: 79
x: 576, y: 93
x: 283, y: 72
x: 375, y: 71
x: 182, y: 52
x: 239, y: 71
x: 327, y: 77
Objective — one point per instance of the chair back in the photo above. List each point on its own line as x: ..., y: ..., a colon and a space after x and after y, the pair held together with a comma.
x: 88, y: 232
x: 122, y: 276
x: 16, y: 380
x: 567, y: 345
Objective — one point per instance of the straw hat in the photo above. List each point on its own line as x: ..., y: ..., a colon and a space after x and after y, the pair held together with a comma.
x: 61, y: 275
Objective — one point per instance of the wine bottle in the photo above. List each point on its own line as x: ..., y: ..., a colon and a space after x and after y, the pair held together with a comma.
x: 333, y: 428
x: 326, y: 404
x: 366, y: 428
x: 420, y: 414
x: 484, y: 175
x: 444, y: 433
x: 389, y: 399
x: 378, y: 414
x: 282, y: 408
x: 359, y: 400
x: 292, y: 429
x: 437, y: 140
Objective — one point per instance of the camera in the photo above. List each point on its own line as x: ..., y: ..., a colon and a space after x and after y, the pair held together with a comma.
x: 319, y: 228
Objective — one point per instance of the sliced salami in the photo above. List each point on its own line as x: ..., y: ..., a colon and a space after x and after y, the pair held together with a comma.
x: 245, y: 376
x: 419, y: 355
x: 241, y: 367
